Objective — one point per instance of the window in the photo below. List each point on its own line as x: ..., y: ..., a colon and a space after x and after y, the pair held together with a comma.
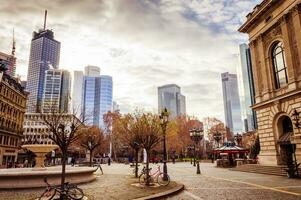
x: 279, y: 65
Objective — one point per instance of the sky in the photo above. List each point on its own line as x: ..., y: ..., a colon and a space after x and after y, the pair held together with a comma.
x: 142, y: 44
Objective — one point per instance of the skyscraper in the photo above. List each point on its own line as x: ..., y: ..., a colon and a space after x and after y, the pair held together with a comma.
x: 106, y: 97
x: 44, y: 52
x: 247, y: 91
x: 231, y: 102
x: 92, y: 71
x: 56, y: 93
x: 97, y: 96
x: 170, y: 97
x: 77, y: 92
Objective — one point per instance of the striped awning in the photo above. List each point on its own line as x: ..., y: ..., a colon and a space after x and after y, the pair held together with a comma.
x: 285, y: 138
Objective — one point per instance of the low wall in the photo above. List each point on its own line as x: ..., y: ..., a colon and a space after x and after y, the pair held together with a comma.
x: 31, y: 178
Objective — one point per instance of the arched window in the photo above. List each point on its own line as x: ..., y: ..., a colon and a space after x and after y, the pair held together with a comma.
x: 279, y: 65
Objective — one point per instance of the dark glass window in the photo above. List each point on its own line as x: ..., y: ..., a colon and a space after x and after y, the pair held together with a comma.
x: 279, y: 65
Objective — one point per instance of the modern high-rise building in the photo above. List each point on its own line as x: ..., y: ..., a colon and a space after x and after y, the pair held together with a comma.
x: 231, y: 102
x: 247, y: 98
x: 106, y: 97
x: 77, y: 93
x: 44, y: 52
x: 170, y: 97
x: 92, y: 71
x: 116, y: 107
x: 96, y: 97
x: 56, y: 93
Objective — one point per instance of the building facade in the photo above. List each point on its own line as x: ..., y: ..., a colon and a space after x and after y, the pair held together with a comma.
x: 56, y: 92
x: 44, y: 54
x: 231, y: 102
x: 247, y: 97
x: 170, y: 97
x: 12, y: 109
x: 274, y: 29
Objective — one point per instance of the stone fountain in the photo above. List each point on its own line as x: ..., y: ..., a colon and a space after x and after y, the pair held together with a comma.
x: 40, y: 150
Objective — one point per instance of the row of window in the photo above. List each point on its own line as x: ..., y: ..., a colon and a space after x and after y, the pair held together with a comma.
x: 11, y: 95
x: 8, y: 141
x: 11, y: 112
x: 8, y: 125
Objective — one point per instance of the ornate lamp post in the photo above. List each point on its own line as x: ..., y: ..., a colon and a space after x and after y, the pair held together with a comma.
x: 164, y: 121
x: 196, y: 135
x: 238, y: 139
x: 217, y: 137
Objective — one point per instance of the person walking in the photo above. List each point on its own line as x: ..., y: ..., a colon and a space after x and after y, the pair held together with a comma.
x: 109, y: 161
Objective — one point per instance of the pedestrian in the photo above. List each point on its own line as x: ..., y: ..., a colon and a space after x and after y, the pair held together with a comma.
x: 109, y: 161
x: 25, y: 163
x: 72, y: 161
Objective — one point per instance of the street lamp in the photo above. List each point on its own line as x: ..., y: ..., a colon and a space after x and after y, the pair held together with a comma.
x: 217, y: 137
x: 164, y: 121
x: 196, y: 135
x: 238, y: 139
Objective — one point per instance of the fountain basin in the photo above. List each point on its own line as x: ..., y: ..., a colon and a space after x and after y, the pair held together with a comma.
x: 28, y: 178
x: 40, y: 150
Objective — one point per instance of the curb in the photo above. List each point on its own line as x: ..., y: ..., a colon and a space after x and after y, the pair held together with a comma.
x: 172, y: 191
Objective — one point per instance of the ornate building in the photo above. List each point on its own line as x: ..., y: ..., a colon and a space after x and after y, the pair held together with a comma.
x: 12, y: 109
x: 274, y: 29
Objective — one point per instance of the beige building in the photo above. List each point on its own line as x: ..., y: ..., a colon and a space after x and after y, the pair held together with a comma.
x: 12, y: 109
x: 274, y: 29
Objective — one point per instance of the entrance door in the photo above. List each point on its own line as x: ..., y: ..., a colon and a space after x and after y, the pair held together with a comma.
x: 287, y: 149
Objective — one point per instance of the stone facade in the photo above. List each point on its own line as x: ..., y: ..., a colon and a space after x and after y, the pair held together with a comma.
x: 272, y: 23
x: 12, y: 109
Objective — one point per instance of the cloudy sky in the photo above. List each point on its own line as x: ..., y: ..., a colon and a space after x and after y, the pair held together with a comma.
x: 143, y: 44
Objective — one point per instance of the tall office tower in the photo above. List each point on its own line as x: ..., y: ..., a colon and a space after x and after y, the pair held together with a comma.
x: 245, y: 79
x: 170, y: 97
x: 90, y: 99
x: 77, y: 93
x: 231, y: 102
x: 116, y: 107
x: 92, y: 71
x: 44, y: 52
x: 182, y: 104
x: 106, y: 97
x: 56, y: 93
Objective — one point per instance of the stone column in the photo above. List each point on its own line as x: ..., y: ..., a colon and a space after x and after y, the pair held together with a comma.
x: 285, y: 29
x: 296, y: 17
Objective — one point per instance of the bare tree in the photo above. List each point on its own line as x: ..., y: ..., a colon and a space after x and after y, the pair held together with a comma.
x: 90, y: 138
x: 64, y: 130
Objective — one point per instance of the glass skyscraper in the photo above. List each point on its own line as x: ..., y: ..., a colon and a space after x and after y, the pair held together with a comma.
x: 106, y: 96
x: 170, y: 97
x: 44, y: 52
x: 56, y: 93
x: 247, y: 90
x: 231, y: 102
x: 97, y: 97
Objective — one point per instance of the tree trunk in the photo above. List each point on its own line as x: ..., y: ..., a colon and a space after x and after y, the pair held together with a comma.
x: 64, y: 155
x: 136, y: 162
x: 91, y: 157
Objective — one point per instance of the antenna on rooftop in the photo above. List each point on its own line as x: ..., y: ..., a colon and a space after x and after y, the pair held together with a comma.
x: 14, y: 44
x: 45, y: 18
